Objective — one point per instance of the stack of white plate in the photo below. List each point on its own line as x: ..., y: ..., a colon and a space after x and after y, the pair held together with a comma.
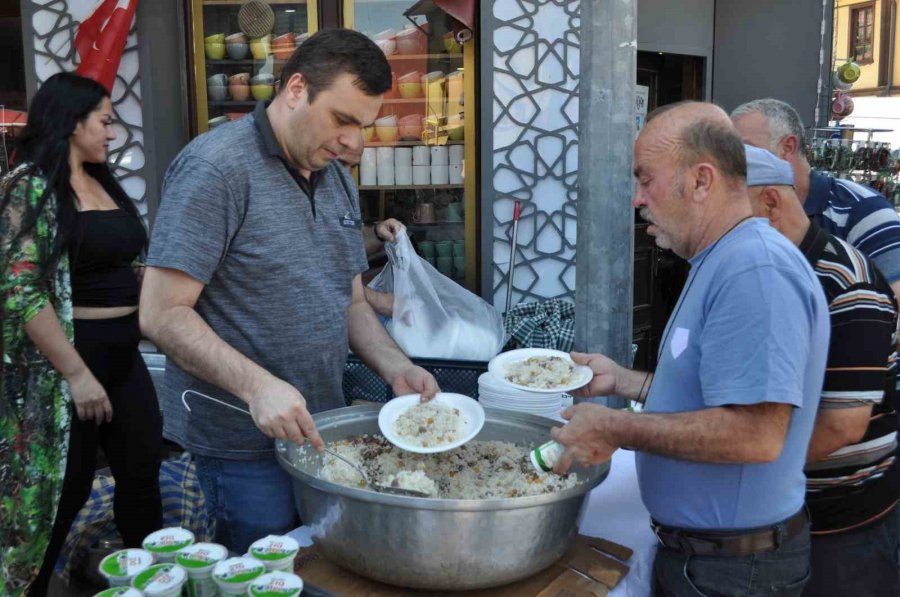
x: 493, y: 393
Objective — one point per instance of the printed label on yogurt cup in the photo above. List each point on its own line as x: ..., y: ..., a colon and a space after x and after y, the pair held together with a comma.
x: 201, y: 555
x: 274, y: 548
x: 125, y: 563
x: 161, y: 579
x: 167, y: 541
x: 276, y: 584
x: 236, y: 571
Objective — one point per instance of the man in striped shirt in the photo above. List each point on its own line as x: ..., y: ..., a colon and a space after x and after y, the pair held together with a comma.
x: 852, y: 470
x: 846, y: 209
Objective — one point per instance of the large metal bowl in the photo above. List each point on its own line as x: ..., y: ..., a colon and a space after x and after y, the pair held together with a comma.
x: 431, y: 543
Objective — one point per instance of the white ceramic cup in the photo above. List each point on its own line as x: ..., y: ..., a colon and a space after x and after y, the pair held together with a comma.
x: 457, y: 153
x: 421, y: 156
x: 385, y: 156
x: 367, y: 174
x: 369, y: 156
x: 403, y: 175
x: 421, y: 175
x: 386, y: 175
x: 403, y: 157
x: 440, y: 156
x: 440, y: 174
x: 456, y: 174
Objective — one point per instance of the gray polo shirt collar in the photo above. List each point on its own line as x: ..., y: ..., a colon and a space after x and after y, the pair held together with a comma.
x: 270, y: 142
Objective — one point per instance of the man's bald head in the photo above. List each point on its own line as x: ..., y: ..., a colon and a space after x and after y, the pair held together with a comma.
x: 695, y: 132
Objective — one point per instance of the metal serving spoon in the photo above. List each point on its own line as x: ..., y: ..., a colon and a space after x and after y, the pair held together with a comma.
x: 348, y: 462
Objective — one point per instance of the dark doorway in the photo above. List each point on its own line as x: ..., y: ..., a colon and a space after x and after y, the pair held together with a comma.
x: 659, y: 275
x: 12, y: 78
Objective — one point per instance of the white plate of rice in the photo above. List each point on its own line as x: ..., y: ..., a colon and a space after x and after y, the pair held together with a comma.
x: 539, y: 370
x: 446, y: 422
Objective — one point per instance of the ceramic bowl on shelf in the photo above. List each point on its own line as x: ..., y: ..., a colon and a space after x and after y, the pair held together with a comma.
x: 262, y: 91
x: 410, y: 127
x: 239, y: 92
x: 368, y: 134
x: 261, y: 47
x: 218, y: 80
x: 217, y: 93
x: 411, y: 41
x: 237, y: 38
x: 237, y: 50
x: 239, y: 78
x: 456, y: 129
x: 218, y: 38
x: 283, y: 46
x: 388, y: 46
x: 410, y: 85
x: 214, y: 50
x: 387, y: 133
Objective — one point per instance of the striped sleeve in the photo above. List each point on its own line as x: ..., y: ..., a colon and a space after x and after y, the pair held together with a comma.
x: 862, y: 322
x: 873, y: 227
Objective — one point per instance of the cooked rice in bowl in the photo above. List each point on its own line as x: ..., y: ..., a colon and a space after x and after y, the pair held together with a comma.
x: 429, y: 424
x: 477, y: 470
x: 542, y: 372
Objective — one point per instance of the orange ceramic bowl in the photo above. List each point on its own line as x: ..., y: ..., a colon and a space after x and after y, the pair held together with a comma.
x: 283, y: 51
x: 410, y: 127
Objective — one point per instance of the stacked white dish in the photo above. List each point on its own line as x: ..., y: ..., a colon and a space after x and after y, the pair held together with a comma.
x: 494, y: 393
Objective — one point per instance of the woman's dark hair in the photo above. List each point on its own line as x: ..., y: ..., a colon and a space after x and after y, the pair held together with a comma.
x: 63, y: 101
x: 334, y: 52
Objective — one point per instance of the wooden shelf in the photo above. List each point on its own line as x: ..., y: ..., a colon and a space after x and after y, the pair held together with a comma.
x: 410, y: 187
x: 425, y: 57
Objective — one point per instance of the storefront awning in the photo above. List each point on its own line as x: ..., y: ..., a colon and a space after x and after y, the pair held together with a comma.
x: 462, y: 11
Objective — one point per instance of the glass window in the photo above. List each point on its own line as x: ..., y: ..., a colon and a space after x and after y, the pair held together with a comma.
x: 862, y: 34
x: 413, y: 168
x: 243, y: 56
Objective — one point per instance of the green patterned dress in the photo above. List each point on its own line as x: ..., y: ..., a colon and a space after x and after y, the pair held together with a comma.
x: 34, y: 399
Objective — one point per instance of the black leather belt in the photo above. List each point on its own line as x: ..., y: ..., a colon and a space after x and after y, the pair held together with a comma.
x: 730, y: 543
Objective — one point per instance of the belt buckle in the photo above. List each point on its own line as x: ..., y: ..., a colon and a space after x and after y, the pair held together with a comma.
x: 655, y: 529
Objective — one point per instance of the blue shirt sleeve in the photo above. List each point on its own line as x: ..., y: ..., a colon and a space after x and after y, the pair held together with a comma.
x: 772, y: 311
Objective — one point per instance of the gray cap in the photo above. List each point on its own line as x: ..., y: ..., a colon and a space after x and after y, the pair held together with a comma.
x: 764, y: 169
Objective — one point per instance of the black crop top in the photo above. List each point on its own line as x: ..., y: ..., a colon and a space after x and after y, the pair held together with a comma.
x: 103, y: 246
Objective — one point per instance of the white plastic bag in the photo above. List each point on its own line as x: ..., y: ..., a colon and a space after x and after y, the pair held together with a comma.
x: 434, y: 317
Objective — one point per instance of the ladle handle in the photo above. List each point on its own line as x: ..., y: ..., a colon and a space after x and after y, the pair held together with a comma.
x: 247, y: 412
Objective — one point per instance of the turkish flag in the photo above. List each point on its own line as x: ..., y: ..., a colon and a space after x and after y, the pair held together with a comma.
x: 100, y: 40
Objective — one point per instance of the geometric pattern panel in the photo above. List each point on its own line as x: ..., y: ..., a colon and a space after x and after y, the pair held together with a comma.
x: 54, y: 23
x: 536, y: 47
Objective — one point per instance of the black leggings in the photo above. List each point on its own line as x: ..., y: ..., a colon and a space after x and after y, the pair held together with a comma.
x: 132, y: 441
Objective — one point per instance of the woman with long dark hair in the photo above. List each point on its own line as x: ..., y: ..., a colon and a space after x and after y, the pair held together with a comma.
x: 68, y: 238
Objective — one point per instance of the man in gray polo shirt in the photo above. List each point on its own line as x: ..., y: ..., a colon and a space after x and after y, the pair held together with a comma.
x: 253, y: 286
